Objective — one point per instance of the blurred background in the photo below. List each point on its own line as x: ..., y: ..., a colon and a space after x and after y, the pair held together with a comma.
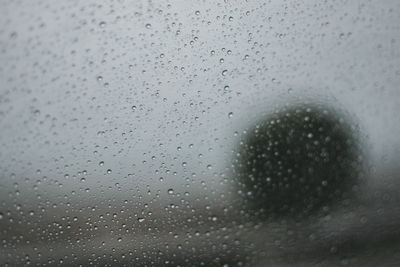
x: 119, y: 122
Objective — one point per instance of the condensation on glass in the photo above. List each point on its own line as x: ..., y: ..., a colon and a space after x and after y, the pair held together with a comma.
x: 199, y: 133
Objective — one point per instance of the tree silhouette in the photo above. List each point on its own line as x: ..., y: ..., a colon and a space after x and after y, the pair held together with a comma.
x: 296, y: 161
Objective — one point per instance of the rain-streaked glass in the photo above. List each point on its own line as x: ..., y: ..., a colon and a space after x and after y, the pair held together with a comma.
x: 199, y: 133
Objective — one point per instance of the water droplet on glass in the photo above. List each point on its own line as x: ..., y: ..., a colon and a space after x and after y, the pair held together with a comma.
x: 363, y: 219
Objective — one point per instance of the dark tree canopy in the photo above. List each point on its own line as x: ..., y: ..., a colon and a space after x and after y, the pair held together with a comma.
x: 296, y: 161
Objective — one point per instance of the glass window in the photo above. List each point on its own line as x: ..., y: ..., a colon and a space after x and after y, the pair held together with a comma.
x: 199, y: 133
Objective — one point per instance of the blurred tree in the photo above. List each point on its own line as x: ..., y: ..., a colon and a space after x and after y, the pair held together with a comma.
x: 296, y: 161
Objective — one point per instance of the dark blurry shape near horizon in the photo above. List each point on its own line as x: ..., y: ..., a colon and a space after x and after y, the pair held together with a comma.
x: 297, y: 161
x: 199, y: 133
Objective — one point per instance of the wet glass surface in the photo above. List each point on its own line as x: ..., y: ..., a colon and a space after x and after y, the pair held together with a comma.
x: 209, y: 133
